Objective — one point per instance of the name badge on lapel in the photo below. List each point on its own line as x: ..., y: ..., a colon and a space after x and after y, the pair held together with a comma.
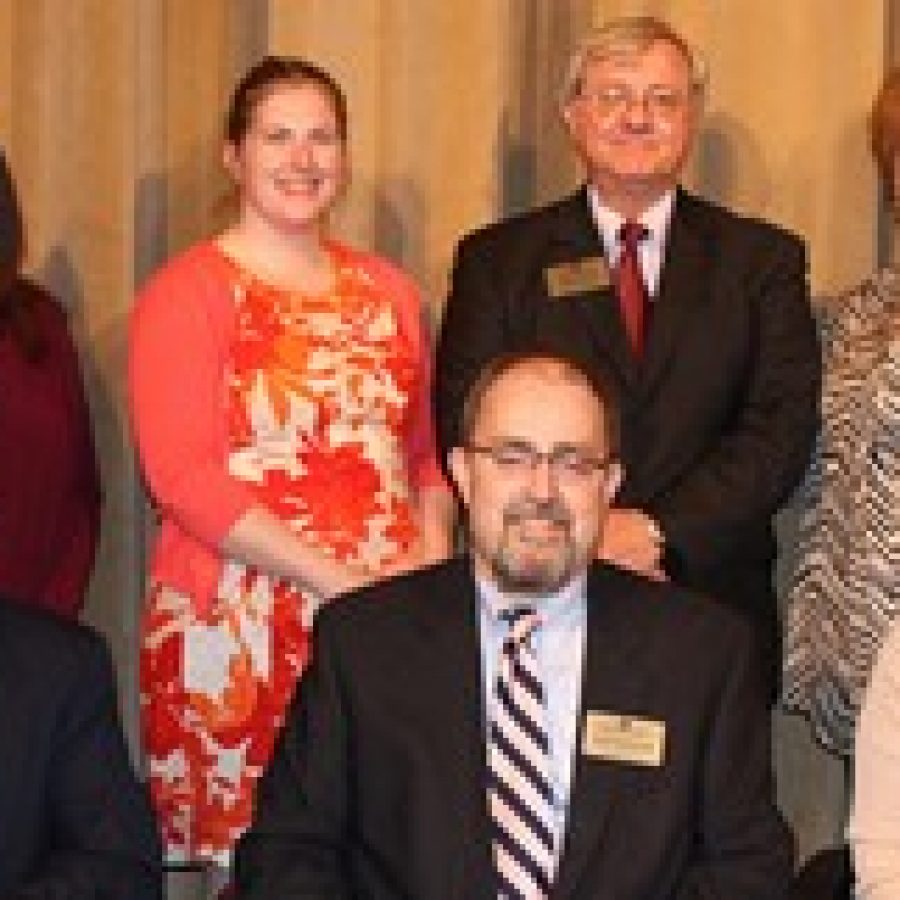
x: 591, y: 273
x: 625, y: 739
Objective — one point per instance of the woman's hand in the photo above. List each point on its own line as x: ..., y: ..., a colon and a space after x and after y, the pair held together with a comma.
x: 261, y: 539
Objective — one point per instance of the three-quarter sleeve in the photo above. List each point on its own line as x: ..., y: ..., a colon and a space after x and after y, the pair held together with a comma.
x: 178, y: 342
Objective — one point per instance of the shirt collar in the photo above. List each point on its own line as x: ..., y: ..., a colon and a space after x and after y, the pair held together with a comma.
x: 655, y: 218
x: 550, y: 606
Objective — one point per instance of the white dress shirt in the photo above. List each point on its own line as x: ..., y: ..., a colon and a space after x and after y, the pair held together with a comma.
x: 655, y: 219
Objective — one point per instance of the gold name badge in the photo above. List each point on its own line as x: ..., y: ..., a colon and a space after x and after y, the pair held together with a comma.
x: 577, y: 277
x: 625, y: 739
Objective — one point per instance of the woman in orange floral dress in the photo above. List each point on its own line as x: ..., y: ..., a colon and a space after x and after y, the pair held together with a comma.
x: 280, y: 395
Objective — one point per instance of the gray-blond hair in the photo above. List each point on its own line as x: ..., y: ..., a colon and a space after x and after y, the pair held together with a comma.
x: 628, y: 36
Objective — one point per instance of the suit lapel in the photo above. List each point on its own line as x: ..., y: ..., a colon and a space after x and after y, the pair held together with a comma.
x: 460, y: 706
x: 575, y: 236
x: 683, y: 287
x: 596, y: 785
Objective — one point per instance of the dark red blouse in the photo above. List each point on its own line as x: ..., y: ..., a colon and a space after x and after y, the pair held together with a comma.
x: 49, y: 485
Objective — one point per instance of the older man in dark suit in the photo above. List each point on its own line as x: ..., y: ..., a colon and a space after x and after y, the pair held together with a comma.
x: 524, y: 722
x: 74, y: 822
x: 699, y: 316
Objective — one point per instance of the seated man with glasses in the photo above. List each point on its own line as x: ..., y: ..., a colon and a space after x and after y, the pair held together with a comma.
x: 699, y: 316
x: 524, y: 721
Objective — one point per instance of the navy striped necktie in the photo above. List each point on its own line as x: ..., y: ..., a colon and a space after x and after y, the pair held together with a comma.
x: 520, y: 793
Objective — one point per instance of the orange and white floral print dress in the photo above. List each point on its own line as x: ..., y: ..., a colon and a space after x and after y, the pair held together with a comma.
x: 322, y: 413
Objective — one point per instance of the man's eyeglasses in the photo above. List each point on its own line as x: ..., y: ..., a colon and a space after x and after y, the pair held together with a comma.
x: 519, y: 460
x: 662, y: 102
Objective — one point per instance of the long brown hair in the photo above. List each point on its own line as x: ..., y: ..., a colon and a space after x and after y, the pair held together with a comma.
x: 17, y: 315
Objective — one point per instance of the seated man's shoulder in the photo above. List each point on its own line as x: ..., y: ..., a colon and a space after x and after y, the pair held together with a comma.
x: 36, y: 642
x: 677, y: 617
x: 399, y: 601
x: 687, y: 645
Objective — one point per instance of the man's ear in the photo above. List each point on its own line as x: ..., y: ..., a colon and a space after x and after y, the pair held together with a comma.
x: 615, y: 475
x: 458, y: 466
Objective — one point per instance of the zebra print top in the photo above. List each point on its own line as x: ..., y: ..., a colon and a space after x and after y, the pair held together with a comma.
x: 844, y: 590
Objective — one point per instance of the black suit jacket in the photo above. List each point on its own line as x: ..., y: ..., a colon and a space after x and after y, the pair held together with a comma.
x: 74, y: 822
x: 377, y: 784
x: 719, y: 417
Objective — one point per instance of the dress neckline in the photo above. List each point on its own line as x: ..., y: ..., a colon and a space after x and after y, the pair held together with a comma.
x: 339, y: 260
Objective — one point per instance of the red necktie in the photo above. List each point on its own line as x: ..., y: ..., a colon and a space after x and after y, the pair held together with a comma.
x: 632, y: 290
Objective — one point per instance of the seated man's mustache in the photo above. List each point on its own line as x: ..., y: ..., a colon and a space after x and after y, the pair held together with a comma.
x: 550, y: 510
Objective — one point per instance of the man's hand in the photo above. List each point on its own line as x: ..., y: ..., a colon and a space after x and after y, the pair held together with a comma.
x: 632, y: 539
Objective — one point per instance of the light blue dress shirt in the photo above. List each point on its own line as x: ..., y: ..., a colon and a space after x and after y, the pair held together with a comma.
x: 559, y: 643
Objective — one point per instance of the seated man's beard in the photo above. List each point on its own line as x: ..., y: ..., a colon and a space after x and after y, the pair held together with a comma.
x: 537, y: 552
